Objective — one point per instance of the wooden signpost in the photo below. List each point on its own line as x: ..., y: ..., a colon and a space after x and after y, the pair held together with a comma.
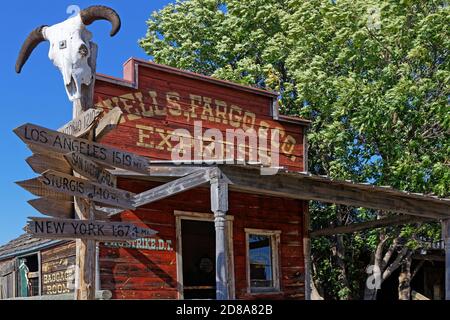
x: 81, y: 188
x: 86, y: 229
x: 64, y: 144
x: 53, y: 208
x: 91, y: 170
x: 41, y: 163
x: 35, y: 187
x: 108, y: 122
x: 81, y: 125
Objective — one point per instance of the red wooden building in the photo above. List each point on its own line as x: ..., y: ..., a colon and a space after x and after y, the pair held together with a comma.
x: 225, y: 230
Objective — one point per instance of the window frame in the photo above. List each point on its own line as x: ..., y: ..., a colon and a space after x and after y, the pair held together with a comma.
x: 39, y: 273
x: 274, y: 236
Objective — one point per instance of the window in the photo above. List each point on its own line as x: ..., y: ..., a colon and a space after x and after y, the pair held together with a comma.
x: 262, y: 260
x: 28, y: 276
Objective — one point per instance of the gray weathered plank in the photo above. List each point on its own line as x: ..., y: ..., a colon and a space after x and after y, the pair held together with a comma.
x: 159, y: 171
x: 191, y: 181
x: 388, y: 221
x: 87, y: 190
x: 41, y: 163
x: 81, y: 125
x: 53, y: 208
x: 91, y: 170
x: 304, y: 188
x: 7, y: 268
x: 62, y: 143
x: 108, y: 123
x: 85, y: 229
x: 35, y: 187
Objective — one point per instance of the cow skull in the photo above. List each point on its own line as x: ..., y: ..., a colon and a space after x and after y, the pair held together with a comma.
x: 70, y: 47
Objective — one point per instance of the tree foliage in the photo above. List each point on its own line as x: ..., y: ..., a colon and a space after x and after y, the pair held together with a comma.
x: 373, y: 76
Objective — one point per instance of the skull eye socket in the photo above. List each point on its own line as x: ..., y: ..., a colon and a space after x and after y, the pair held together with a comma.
x: 83, y: 50
x: 63, y: 44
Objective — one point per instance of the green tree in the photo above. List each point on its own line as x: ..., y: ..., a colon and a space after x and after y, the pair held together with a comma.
x: 373, y: 76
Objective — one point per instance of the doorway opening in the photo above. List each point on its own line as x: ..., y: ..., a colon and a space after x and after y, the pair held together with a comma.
x: 198, y: 249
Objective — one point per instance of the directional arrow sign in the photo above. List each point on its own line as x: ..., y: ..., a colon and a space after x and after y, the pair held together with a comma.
x: 61, y: 209
x: 82, y: 124
x: 35, y: 187
x: 41, y: 163
x: 87, y: 190
x: 108, y: 122
x: 85, y: 229
x: 63, y: 143
x: 90, y: 169
x: 54, y: 208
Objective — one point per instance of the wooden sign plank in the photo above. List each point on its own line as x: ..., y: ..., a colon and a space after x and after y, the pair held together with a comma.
x: 35, y: 187
x: 81, y: 125
x: 91, y: 170
x: 62, y: 143
x: 41, y: 163
x: 85, y: 189
x: 35, y: 149
x: 108, y: 122
x: 84, y: 229
x: 61, y: 209
x: 54, y: 208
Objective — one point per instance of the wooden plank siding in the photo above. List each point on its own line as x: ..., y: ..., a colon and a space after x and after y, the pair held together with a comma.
x: 131, y: 273
x: 58, y: 269
x: 165, y: 101
x: 155, y: 101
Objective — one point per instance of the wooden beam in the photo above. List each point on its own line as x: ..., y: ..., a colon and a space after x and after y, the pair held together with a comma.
x: 355, y: 227
x: 428, y: 257
x: 85, y: 257
x: 159, y: 171
x: 186, y: 183
x: 303, y: 187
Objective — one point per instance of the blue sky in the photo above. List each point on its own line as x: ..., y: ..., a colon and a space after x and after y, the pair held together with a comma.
x: 37, y: 95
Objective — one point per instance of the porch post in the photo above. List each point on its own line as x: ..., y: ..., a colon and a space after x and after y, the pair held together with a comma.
x: 219, y: 205
x: 446, y: 239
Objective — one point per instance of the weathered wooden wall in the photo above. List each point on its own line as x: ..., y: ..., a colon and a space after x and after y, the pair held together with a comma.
x: 165, y: 101
x: 7, y: 279
x: 150, y: 273
x: 58, y: 269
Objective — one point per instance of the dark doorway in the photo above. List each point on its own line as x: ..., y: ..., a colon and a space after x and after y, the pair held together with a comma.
x: 199, y: 267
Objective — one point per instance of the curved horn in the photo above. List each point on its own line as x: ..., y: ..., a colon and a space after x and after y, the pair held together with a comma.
x: 33, y: 40
x: 94, y: 13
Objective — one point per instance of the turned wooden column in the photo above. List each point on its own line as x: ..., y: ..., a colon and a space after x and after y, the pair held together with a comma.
x: 446, y: 239
x: 219, y: 205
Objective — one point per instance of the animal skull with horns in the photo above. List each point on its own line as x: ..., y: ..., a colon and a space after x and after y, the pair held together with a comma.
x: 70, y: 47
